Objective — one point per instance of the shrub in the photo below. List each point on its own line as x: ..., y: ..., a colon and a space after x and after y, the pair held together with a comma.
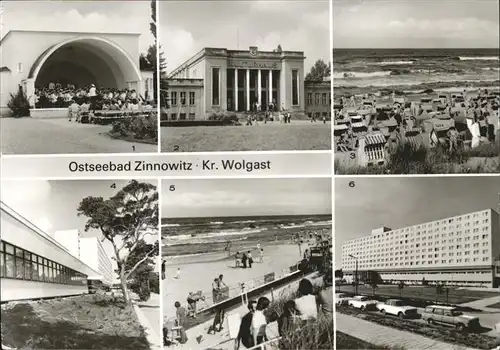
x: 137, y: 127
x: 19, y: 104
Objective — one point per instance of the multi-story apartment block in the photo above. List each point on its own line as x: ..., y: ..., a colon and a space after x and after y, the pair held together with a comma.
x: 459, y: 250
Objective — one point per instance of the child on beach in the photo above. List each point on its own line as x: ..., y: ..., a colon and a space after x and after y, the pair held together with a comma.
x: 178, y: 274
x: 261, y: 253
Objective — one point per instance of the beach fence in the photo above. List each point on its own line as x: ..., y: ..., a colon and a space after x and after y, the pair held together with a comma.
x: 239, y: 294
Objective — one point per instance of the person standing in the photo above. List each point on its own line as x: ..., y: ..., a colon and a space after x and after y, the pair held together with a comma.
x: 180, y: 320
x: 261, y: 253
x: 250, y: 259
x: 259, y: 322
x: 215, y: 290
x: 244, y: 260
x: 93, y: 97
x: 163, y: 269
x: 237, y: 260
x: 245, y: 332
x: 178, y: 274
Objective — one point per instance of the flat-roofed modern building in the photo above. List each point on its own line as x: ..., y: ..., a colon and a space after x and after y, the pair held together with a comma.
x: 233, y: 80
x: 459, y: 250
x: 34, y: 265
x: 93, y: 254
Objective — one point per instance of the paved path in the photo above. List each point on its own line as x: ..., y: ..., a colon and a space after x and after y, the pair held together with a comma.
x: 387, y: 336
x: 149, y: 316
x: 484, y: 303
x: 49, y: 136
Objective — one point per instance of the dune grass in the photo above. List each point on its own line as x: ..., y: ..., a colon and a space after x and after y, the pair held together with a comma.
x: 408, y: 159
x: 83, y: 322
x: 299, y: 135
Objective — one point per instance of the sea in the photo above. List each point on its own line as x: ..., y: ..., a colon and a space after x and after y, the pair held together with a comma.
x: 415, y: 69
x: 194, y: 236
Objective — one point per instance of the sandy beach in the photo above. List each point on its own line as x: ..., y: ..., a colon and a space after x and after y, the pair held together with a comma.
x: 198, y: 272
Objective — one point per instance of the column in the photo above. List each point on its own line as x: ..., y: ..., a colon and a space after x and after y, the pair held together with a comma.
x: 248, y: 88
x: 259, y: 86
x: 236, y: 89
x: 270, y: 85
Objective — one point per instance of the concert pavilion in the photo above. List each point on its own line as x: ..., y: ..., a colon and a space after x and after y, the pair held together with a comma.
x: 234, y: 80
x: 33, y: 59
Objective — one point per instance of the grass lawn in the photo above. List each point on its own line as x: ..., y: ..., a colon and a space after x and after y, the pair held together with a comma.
x: 494, y: 306
x: 455, y: 296
x: 84, y: 322
x: 298, y: 135
x: 346, y: 341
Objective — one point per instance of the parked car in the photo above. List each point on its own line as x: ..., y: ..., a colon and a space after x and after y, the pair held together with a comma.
x: 362, y: 302
x: 450, y: 316
x: 396, y: 307
x: 341, y: 298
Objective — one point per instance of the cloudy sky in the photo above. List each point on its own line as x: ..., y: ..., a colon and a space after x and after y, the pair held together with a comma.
x: 415, y: 24
x: 404, y: 201
x: 52, y: 205
x: 85, y: 16
x: 245, y: 197
x: 188, y: 26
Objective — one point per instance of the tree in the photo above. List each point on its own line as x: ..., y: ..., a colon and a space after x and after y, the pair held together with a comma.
x: 319, y: 71
x: 401, y: 286
x: 124, y: 220
x: 142, y: 279
x: 19, y: 104
x: 439, y: 290
x: 162, y: 63
x: 374, y: 280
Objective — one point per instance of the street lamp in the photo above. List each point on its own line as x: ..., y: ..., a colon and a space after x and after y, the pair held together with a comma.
x: 355, y: 278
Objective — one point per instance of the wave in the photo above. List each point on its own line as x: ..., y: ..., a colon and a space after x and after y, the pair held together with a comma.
x: 196, y: 240
x: 306, y: 224
x: 216, y: 223
x: 478, y: 58
x: 170, y: 225
x: 354, y: 75
x: 222, y: 233
x: 387, y: 63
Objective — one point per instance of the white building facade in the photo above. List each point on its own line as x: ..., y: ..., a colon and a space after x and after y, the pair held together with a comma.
x: 459, y: 250
x: 33, y: 265
x: 93, y: 254
x: 33, y: 59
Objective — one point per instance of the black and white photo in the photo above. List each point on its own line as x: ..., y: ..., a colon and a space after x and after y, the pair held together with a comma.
x: 245, y: 76
x: 78, y: 77
x: 417, y: 86
x: 79, y: 264
x: 422, y: 267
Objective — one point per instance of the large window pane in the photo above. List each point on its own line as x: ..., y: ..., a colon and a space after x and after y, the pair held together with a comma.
x: 19, y: 252
x: 19, y: 267
x: 9, y: 248
x: 215, y: 86
x: 41, y: 273
x: 9, y: 266
x: 34, y: 271
x: 46, y: 274
x: 2, y: 246
x: 2, y: 265
x: 27, y: 270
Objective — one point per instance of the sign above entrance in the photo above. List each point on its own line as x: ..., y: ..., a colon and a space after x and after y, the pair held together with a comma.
x: 247, y: 64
